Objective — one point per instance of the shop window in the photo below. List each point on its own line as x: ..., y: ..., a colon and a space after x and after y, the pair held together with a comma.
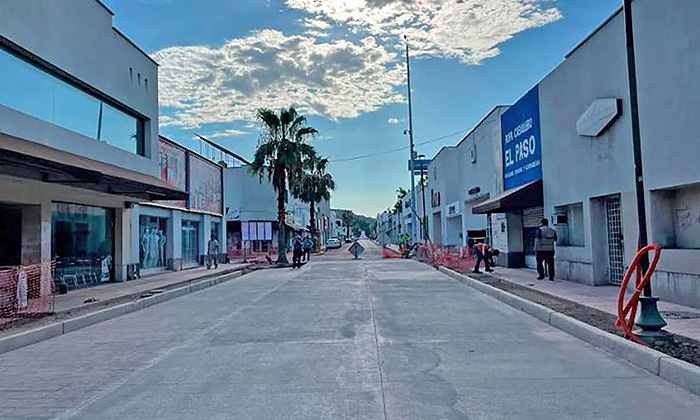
x: 152, y: 242
x: 568, y: 222
x: 676, y: 217
x: 83, y: 244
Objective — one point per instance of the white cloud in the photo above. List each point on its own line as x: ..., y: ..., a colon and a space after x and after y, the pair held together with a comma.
x: 228, y: 133
x: 335, y: 79
x: 393, y: 121
x: 468, y: 30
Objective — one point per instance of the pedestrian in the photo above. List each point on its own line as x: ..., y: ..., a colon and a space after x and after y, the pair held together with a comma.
x: 484, y: 253
x: 544, y: 248
x: 298, y: 249
x: 308, y: 246
x: 213, y: 253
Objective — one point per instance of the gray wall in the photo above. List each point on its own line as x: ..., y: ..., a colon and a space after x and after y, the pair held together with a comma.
x: 77, y: 36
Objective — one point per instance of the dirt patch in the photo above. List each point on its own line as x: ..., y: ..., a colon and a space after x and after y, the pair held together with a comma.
x: 682, y: 348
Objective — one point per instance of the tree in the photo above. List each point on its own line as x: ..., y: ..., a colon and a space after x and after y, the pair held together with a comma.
x: 348, y: 218
x: 400, y: 194
x: 280, y: 155
x: 315, y: 185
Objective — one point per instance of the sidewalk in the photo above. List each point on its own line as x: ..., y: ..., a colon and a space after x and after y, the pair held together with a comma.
x: 78, y: 299
x: 603, y: 298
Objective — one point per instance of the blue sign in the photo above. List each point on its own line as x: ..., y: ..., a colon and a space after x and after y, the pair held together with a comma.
x: 522, y: 154
x: 419, y: 164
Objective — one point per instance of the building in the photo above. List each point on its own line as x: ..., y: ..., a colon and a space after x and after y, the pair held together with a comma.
x: 251, y: 214
x: 564, y: 151
x: 460, y: 178
x: 173, y: 234
x: 587, y: 141
x: 78, y: 141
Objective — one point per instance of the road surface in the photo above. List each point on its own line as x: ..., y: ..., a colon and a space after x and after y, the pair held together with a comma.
x: 338, y: 339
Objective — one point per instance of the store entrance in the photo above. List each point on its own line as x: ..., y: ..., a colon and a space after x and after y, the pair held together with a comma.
x: 11, y: 234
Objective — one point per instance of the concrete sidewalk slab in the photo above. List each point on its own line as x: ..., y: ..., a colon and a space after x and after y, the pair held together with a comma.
x: 603, y: 298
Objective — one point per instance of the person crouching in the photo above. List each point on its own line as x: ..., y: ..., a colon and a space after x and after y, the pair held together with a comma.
x: 484, y: 253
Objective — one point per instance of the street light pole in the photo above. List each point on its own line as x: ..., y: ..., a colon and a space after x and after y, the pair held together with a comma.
x: 414, y: 230
x: 649, y: 321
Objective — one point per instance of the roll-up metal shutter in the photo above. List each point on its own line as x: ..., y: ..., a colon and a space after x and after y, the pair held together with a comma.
x: 532, y: 217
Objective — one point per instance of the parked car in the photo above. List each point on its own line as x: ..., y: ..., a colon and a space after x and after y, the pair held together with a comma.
x: 333, y: 243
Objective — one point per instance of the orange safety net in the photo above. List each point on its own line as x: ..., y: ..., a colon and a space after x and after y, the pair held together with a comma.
x: 26, y: 292
x: 253, y: 256
x: 454, y: 258
x: 390, y: 253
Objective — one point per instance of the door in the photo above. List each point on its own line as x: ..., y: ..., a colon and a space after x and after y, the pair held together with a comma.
x: 616, y: 252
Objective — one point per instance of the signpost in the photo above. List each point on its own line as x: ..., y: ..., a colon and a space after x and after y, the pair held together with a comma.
x: 356, y: 249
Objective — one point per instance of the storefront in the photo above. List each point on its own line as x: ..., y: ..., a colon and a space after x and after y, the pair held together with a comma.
x: 173, y: 235
x: 516, y: 213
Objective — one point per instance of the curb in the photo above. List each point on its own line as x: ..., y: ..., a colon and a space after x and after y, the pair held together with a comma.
x: 676, y: 371
x: 27, y: 338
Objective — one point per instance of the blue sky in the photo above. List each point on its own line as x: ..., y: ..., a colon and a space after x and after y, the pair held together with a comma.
x: 340, y: 61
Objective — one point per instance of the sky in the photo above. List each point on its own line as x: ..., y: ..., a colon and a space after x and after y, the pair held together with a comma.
x: 342, y: 64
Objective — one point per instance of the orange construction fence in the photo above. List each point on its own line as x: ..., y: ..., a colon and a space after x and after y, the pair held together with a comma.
x: 26, y: 292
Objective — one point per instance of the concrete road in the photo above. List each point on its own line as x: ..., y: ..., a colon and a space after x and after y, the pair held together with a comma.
x: 338, y: 339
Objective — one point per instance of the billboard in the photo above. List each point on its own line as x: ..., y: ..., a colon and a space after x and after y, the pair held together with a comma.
x: 173, y: 169
x: 522, y: 156
x: 206, y: 192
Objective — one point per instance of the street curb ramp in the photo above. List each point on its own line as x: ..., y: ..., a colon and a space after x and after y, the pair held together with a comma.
x: 676, y: 371
x: 27, y: 338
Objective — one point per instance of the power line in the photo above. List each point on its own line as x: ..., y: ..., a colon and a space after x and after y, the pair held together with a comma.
x: 399, y: 149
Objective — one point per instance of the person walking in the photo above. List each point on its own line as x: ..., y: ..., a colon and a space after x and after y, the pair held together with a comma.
x: 298, y: 249
x: 308, y: 246
x: 544, y: 248
x: 213, y: 253
x: 484, y: 253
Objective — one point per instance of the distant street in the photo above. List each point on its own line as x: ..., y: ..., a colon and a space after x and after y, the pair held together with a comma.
x: 337, y: 339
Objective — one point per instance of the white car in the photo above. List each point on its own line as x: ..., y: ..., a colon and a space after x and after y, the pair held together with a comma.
x: 333, y: 243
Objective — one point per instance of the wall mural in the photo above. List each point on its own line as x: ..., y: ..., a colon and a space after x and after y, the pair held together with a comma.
x: 206, y: 192
x: 173, y: 169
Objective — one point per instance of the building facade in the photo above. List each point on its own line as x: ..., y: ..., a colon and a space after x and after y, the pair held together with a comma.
x: 78, y: 141
x: 173, y: 234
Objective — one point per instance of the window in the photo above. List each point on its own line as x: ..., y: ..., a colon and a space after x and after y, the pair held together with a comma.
x: 676, y: 217
x: 568, y: 222
x: 152, y: 240
x: 33, y: 91
x: 83, y: 244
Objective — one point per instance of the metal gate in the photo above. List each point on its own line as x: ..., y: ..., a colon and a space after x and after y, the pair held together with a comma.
x: 616, y: 250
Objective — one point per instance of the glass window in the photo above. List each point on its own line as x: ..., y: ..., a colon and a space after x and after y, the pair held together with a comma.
x: 190, y: 250
x: 35, y: 92
x: 215, y: 230
x: 152, y: 241
x: 569, y: 225
x: 83, y: 244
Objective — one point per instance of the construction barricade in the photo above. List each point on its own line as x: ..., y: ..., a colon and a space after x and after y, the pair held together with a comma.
x: 26, y: 292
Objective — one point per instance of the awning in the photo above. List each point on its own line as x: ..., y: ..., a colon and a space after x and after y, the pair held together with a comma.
x: 294, y: 227
x: 523, y: 197
x: 26, y: 159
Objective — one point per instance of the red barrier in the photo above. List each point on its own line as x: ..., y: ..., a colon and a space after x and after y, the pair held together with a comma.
x: 454, y: 258
x: 390, y: 253
x: 26, y: 292
x: 251, y: 256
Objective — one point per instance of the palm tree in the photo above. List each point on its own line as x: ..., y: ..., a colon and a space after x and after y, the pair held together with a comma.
x: 400, y: 194
x: 316, y: 185
x: 280, y: 154
x: 348, y: 218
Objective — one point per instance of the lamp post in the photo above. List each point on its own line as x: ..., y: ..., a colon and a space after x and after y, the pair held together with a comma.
x: 414, y: 230
x: 649, y: 322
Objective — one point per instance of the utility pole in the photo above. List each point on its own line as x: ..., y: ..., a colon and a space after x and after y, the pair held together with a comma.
x: 425, y: 211
x: 414, y: 233
x: 649, y: 321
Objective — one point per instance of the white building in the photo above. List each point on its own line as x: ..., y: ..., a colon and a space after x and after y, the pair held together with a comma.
x: 461, y: 177
x: 588, y: 168
x: 173, y: 234
x: 78, y: 140
x: 249, y: 200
